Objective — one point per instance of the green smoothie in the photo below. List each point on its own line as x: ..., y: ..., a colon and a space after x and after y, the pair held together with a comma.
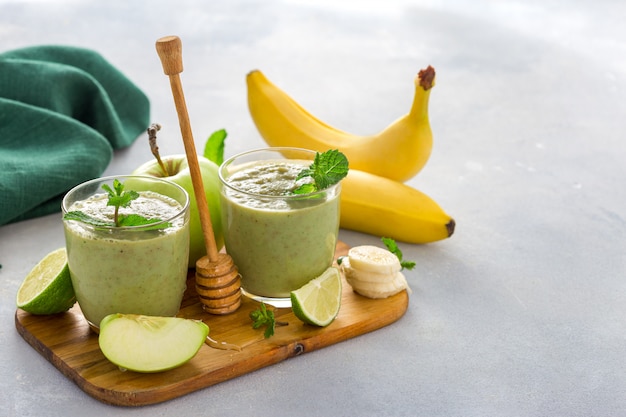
x: 128, y: 269
x: 278, y: 240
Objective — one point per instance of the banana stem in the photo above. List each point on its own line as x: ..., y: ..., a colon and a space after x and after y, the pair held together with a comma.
x: 426, y: 78
x: 424, y: 82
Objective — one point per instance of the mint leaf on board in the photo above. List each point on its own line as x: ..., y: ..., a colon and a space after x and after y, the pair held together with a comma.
x: 327, y: 169
x: 393, y: 248
x: 214, y: 147
x: 263, y: 317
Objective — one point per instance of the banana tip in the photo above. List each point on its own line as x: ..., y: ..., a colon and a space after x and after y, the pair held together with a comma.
x: 450, y: 227
x: 253, y: 71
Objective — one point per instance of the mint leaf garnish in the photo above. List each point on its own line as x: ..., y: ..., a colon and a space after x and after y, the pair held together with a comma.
x: 305, y: 189
x: 82, y: 217
x: 393, y: 248
x: 137, y: 220
x: 327, y: 169
x: 118, y: 198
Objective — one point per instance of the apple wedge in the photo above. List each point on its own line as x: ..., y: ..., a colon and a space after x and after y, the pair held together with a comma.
x: 149, y: 343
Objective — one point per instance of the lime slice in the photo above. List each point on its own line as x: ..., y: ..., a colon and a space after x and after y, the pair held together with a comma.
x: 47, y: 289
x: 318, y: 301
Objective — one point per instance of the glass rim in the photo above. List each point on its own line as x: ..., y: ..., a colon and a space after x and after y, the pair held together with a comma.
x: 277, y: 149
x: 111, y: 178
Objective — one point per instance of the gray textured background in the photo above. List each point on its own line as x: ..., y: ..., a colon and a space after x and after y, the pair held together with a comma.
x: 521, y: 313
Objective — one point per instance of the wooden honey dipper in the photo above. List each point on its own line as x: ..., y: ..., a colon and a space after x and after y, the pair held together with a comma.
x: 217, y: 278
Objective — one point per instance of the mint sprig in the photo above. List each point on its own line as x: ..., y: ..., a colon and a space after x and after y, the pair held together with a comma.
x: 392, y: 246
x: 263, y: 317
x: 328, y: 168
x: 117, y: 198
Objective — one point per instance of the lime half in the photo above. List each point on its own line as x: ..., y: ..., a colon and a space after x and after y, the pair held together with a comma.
x: 318, y: 301
x: 47, y: 289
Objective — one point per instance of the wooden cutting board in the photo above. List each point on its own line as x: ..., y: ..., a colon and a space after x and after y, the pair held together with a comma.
x: 68, y: 343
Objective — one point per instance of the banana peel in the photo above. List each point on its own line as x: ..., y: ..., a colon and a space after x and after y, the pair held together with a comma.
x: 397, y: 152
x: 382, y: 207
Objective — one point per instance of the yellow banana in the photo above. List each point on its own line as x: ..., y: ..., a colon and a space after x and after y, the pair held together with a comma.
x: 387, y: 208
x: 398, y: 152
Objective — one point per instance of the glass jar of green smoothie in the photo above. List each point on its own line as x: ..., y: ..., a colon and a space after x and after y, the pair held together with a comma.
x: 128, y: 268
x: 279, y: 240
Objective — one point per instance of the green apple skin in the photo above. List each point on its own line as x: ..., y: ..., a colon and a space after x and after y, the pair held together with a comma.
x: 177, y: 165
x: 150, y: 344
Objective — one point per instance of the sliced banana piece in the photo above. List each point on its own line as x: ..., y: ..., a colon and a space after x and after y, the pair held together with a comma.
x: 363, y: 276
x: 380, y: 289
x: 368, y: 258
x: 373, y: 272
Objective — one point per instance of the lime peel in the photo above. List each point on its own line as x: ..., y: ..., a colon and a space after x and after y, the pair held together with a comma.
x: 318, y: 302
x: 47, y: 288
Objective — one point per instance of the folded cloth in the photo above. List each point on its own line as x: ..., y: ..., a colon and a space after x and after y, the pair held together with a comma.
x: 63, y: 110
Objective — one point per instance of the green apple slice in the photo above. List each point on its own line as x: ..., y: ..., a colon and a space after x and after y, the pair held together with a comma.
x: 149, y: 343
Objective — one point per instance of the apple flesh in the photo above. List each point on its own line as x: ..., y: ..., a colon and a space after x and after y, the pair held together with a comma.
x: 180, y: 174
x: 149, y: 343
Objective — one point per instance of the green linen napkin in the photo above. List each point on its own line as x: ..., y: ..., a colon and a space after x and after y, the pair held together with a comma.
x: 63, y: 110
